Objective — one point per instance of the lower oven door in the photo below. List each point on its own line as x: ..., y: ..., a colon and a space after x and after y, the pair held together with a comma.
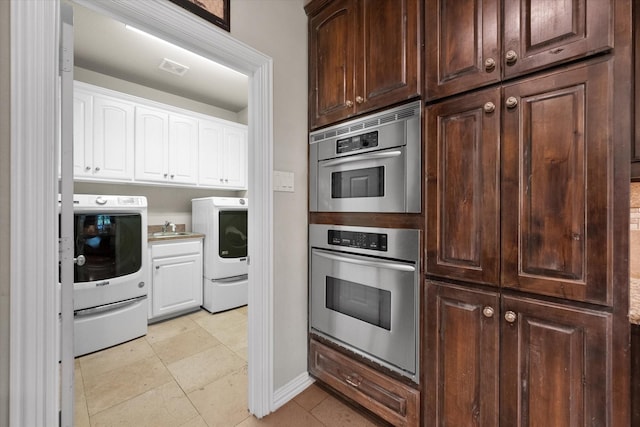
x: 367, y: 182
x: 367, y: 304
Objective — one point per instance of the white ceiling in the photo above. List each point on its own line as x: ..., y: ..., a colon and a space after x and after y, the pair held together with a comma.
x: 105, y: 46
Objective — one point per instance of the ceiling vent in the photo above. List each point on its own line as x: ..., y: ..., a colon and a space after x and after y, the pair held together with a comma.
x: 173, y: 67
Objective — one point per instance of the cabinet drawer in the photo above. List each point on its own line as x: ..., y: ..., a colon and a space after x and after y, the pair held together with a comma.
x: 159, y: 250
x: 384, y: 396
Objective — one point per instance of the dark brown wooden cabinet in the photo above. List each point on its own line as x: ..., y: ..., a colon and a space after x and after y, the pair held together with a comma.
x: 463, y: 187
x: 363, y: 55
x: 467, y: 48
x: 554, y: 364
x: 557, y: 148
x: 514, y: 361
x: 390, y: 399
x: 508, y: 202
x: 462, y: 351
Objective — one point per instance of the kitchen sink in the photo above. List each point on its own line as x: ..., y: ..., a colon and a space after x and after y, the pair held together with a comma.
x: 161, y: 234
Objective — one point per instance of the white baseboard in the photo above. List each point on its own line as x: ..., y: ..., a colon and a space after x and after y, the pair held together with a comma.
x: 290, y: 390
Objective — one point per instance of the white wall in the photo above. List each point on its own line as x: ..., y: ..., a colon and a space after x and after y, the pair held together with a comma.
x: 278, y: 28
x: 5, y: 181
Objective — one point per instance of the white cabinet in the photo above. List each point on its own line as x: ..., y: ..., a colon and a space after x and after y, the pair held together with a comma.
x: 103, y: 137
x: 223, y: 155
x: 166, y: 147
x: 120, y: 137
x: 176, y: 277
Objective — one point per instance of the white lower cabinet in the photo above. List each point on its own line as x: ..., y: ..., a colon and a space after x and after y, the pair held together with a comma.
x: 176, y: 277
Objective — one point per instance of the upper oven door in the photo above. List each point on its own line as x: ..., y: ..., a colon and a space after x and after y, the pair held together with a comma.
x: 366, y: 182
x: 367, y: 303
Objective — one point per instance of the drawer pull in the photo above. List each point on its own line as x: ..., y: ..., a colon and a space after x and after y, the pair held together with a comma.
x: 353, y: 381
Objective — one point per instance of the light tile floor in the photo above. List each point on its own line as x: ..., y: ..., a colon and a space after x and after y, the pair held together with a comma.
x: 190, y: 371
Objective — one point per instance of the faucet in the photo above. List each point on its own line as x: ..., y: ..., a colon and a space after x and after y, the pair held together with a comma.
x: 168, y: 225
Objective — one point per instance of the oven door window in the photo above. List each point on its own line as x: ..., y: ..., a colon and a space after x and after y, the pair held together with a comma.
x: 233, y: 234
x: 368, y: 182
x: 366, y: 303
x: 111, y: 245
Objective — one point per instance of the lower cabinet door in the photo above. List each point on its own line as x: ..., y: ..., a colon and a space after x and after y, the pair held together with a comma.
x: 388, y: 398
x: 555, y: 365
x: 177, y: 284
x: 461, y: 357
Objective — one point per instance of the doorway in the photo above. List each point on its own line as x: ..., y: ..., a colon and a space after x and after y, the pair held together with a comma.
x: 182, y: 29
x: 33, y: 198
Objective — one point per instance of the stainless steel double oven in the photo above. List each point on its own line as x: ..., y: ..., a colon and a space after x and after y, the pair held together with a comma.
x: 364, y: 281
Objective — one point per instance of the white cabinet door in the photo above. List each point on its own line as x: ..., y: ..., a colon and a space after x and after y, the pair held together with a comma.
x: 82, y: 134
x: 183, y: 149
x: 235, y: 155
x: 152, y: 144
x: 223, y: 155
x: 211, y: 146
x: 176, y: 277
x: 112, y: 138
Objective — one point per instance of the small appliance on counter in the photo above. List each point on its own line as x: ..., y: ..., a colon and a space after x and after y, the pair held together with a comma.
x: 223, y: 221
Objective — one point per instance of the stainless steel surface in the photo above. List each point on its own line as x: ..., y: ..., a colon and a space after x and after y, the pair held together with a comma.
x: 390, y: 270
x: 398, y: 150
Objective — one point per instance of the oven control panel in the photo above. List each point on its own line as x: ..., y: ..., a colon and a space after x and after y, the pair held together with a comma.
x: 357, y: 239
x: 357, y: 142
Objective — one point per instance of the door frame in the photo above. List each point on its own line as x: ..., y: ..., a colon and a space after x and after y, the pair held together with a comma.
x: 34, y: 379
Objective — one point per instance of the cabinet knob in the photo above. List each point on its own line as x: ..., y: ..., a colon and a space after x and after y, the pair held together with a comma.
x: 511, y: 57
x: 510, y: 316
x: 97, y: 168
x: 165, y: 175
x: 87, y: 168
x: 359, y: 99
x: 489, y: 64
x: 488, y: 311
x: 349, y: 103
x: 172, y: 175
x: 157, y: 267
x: 511, y: 102
x: 489, y: 107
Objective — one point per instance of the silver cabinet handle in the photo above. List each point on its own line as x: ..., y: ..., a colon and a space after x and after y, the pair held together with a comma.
x: 510, y: 316
x: 488, y: 311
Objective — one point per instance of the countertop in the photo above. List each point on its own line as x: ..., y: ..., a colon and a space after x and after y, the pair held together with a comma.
x: 634, y: 301
x: 179, y: 228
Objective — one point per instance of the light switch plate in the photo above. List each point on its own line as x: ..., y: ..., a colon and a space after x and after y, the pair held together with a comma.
x: 283, y: 181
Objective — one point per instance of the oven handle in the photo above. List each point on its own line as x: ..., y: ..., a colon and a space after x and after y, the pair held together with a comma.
x: 108, y: 307
x: 366, y: 263
x: 362, y: 157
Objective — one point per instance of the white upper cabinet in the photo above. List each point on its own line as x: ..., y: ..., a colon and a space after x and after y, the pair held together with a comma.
x: 223, y: 155
x: 103, y: 137
x: 120, y: 137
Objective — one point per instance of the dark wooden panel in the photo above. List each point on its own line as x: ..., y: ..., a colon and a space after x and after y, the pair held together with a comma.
x: 555, y: 364
x: 546, y: 32
x: 331, y: 61
x: 461, y: 357
x: 384, y: 396
x: 389, y: 67
x: 459, y: 37
x: 635, y: 375
x: 556, y: 155
x: 463, y: 169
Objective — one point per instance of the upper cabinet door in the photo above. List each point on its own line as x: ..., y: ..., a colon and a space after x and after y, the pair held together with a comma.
x: 538, y: 33
x: 152, y: 144
x: 557, y: 162
x: 332, y: 35
x: 462, y: 45
x: 363, y: 56
x: 388, y: 70
x: 463, y: 187
x: 183, y: 149
x: 113, y: 124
